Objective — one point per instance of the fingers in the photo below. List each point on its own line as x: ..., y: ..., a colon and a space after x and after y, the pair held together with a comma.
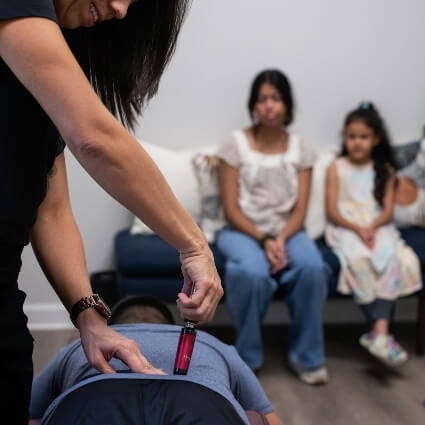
x: 276, y: 258
x: 102, y: 365
x: 130, y: 354
x: 200, y: 307
x: 278, y: 266
x: 202, y: 304
x: 101, y: 343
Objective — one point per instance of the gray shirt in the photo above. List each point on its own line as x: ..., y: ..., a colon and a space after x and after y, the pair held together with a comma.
x: 214, y: 365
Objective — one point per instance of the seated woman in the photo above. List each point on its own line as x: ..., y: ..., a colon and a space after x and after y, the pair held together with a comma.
x: 264, y: 178
x: 218, y: 389
x: 409, y: 197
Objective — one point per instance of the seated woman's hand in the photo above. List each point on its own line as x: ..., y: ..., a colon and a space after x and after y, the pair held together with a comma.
x: 275, y: 254
x: 199, y: 269
x: 367, y: 235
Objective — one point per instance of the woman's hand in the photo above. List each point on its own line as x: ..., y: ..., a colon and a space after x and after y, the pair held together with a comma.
x: 101, y: 344
x: 367, y: 235
x: 275, y: 254
x: 199, y: 269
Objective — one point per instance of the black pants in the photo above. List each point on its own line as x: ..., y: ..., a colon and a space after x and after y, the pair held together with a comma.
x: 16, y: 343
x: 378, y: 309
x: 143, y: 402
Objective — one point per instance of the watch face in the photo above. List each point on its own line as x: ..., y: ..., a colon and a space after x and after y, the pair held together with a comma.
x: 101, y: 306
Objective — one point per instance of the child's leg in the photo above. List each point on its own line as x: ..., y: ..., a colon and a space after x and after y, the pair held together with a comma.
x: 379, y: 342
x: 378, y: 314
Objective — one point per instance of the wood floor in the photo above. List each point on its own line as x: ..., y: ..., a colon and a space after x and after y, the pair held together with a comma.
x: 361, y: 392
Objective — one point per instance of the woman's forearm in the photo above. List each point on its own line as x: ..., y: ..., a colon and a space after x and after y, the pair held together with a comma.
x: 54, y: 236
x: 294, y: 224
x: 339, y: 220
x: 384, y: 218
x: 242, y: 223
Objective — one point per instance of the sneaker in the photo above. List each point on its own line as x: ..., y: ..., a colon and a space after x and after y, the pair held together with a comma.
x: 385, y: 348
x: 317, y: 376
x: 367, y: 339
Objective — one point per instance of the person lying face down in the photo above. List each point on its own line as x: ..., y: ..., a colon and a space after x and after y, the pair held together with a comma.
x: 218, y: 389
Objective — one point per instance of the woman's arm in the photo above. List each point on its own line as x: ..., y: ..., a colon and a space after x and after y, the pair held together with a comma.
x: 57, y: 244
x: 37, y: 53
x: 331, y: 194
x: 229, y: 192
x: 297, y: 217
x: 386, y: 214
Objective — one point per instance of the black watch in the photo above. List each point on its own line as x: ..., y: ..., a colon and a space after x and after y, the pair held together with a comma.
x: 92, y: 301
x: 263, y: 240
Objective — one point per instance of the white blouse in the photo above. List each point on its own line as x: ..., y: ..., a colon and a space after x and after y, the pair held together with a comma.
x: 268, y: 183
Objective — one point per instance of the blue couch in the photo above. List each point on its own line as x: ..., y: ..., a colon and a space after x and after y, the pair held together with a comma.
x: 147, y: 264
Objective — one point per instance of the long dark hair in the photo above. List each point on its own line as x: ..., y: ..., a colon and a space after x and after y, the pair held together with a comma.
x: 124, y: 59
x: 278, y: 80
x: 382, y: 153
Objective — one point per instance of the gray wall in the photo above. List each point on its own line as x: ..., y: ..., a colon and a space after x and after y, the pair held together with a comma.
x: 336, y: 53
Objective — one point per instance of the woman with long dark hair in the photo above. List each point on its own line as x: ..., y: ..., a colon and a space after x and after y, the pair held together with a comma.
x: 264, y: 173
x: 61, y: 62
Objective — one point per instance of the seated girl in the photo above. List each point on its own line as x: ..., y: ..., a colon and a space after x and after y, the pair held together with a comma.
x: 377, y: 267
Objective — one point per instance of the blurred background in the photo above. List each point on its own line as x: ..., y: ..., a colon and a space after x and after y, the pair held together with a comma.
x: 335, y: 52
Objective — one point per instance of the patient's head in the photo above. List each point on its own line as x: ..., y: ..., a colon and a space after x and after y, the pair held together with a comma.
x: 140, y: 309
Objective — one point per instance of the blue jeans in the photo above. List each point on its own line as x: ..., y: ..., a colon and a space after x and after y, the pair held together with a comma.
x: 249, y: 288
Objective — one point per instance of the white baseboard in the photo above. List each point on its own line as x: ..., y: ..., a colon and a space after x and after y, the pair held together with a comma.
x: 47, y: 316
x: 53, y: 316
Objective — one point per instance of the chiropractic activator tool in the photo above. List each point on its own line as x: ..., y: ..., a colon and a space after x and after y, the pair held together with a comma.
x: 185, y: 345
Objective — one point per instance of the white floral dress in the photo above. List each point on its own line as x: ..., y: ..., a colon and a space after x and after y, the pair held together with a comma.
x: 389, y: 270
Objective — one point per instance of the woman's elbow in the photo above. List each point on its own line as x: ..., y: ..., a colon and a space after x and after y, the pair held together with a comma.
x: 93, y: 139
x: 94, y: 148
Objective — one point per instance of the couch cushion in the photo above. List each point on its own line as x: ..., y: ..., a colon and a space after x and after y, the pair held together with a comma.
x: 149, y: 255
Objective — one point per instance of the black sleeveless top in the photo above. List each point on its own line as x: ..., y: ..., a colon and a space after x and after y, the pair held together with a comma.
x: 29, y: 144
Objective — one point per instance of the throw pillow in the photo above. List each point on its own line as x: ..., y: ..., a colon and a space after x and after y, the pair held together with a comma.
x: 177, y: 168
x: 212, y: 216
x: 406, y: 153
x: 415, y: 170
x: 315, y: 221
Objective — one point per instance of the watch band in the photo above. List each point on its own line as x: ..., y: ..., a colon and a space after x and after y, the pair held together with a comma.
x: 92, y: 301
x: 263, y: 240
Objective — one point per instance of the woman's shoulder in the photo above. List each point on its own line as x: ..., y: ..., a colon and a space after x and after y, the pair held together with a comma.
x: 301, y: 152
x: 339, y: 163
x: 231, y: 148
x: 27, y: 8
